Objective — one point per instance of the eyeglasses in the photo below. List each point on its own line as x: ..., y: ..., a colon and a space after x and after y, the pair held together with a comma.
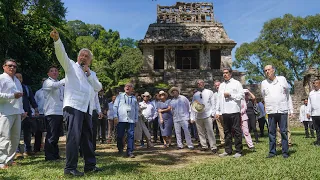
x: 11, y: 66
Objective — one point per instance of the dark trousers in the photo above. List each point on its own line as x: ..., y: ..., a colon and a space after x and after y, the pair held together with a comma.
x: 94, y: 128
x: 79, y: 134
x: 316, y: 124
x: 252, y: 125
x: 102, y: 128
x: 27, y: 133
x: 281, y: 120
x: 155, y: 129
x: 40, y: 122
x: 262, y: 121
x: 308, y: 125
x: 121, y: 129
x: 54, y: 123
x: 231, y: 122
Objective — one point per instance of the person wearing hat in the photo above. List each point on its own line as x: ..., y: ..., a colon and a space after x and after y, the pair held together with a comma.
x: 230, y: 95
x: 148, y: 113
x: 203, y: 110
x: 165, y: 118
x: 180, y: 108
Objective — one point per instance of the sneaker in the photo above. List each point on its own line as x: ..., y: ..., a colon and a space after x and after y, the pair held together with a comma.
x: 237, y: 155
x: 178, y: 148
x: 214, y: 151
x: 224, y: 154
x: 191, y: 147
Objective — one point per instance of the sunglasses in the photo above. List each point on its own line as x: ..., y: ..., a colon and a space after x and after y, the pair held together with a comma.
x: 11, y: 66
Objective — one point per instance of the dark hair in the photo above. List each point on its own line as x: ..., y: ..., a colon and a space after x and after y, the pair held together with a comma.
x: 52, y: 66
x: 227, y: 68
x: 9, y: 60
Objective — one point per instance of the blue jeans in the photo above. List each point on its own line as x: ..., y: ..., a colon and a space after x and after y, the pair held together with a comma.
x: 121, y: 128
x: 281, y: 120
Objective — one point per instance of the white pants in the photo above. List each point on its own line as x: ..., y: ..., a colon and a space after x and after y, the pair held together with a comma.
x: 205, y: 129
x: 184, y: 126
x: 139, y: 129
x: 10, y: 127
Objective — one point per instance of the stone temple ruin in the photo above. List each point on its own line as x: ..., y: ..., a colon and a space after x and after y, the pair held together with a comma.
x: 186, y: 43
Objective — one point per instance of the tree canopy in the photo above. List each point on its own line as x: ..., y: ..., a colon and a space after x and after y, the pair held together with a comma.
x: 291, y: 44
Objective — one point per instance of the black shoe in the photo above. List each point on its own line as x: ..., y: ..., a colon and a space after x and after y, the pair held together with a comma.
x: 270, y: 156
x: 178, y: 148
x: 203, y: 149
x: 73, y: 172
x: 131, y: 156
x: 214, y: 151
x: 94, y: 170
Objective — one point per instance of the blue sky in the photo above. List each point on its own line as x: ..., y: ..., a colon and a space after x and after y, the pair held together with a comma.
x: 242, y: 19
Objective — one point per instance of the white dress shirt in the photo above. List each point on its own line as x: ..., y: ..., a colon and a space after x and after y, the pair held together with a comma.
x: 39, y: 97
x: 207, y: 98
x: 230, y: 104
x: 79, y: 89
x: 8, y: 104
x: 53, y: 91
x: 97, y: 106
x: 126, y: 108
x: 110, y: 110
x: 303, y: 113
x: 180, y: 108
x: 313, y: 103
x: 148, y: 110
x: 276, y: 95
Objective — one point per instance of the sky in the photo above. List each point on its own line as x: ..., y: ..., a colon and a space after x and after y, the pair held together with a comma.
x: 242, y: 19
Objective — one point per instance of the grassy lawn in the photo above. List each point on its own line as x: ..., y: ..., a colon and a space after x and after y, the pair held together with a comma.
x: 159, y: 163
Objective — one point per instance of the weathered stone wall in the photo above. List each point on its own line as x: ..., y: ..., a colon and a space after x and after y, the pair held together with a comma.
x: 204, y: 58
x: 226, y: 58
x: 148, y: 57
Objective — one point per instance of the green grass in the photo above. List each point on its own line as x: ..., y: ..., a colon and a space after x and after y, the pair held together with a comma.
x: 186, y: 164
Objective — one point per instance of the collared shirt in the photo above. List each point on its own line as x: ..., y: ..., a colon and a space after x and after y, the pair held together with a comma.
x: 180, y: 108
x: 207, y: 98
x: 148, y: 110
x: 8, y: 104
x: 126, y: 108
x: 230, y: 104
x: 97, y: 106
x: 313, y: 103
x: 79, y: 88
x: 39, y: 97
x: 110, y: 110
x: 53, y: 91
x: 276, y: 95
x: 261, y: 109
x: 303, y: 113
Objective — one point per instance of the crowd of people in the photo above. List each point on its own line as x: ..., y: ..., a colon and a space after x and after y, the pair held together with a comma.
x: 78, y: 103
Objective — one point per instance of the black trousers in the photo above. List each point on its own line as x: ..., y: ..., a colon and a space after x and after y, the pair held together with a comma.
x: 316, y: 124
x: 94, y: 128
x: 102, y: 128
x: 252, y: 125
x: 262, y: 121
x: 308, y: 125
x: 231, y: 123
x: 51, y: 149
x: 79, y: 134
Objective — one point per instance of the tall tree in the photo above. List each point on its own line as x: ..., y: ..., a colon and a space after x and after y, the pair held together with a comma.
x: 289, y: 43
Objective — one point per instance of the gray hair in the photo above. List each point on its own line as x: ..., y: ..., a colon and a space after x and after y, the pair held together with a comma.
x: 228, y: 69
x: 200, y: 80
x: 86, y: 49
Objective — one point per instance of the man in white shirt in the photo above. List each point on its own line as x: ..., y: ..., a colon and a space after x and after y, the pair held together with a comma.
x: 11, y: 109
x: 307, y: 121
x: 180, y: 107
x: 204, y: 119
x: 53, y: 90
x: 80, y: 86
x: 220, y: 120
x: 314, y: 108
x: 230, y: 95
x: 275, y: 91
x: 126, y: 109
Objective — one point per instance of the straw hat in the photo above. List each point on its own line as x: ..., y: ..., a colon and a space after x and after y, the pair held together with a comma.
x: 173, y: 89
x: 197, y: 106
x: 146, y: 94
x: 165, y: 94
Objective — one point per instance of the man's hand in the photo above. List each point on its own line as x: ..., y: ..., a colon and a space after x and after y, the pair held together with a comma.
x: 54, y: 34
x: 18, y: 95
x: 291, y: 115
x: 217, y: 116
x: 192, y: 121
x: 115, y: 121
x: 226, y: 95
x: 36, y: 112
x: 24, y: 115
x: 159, y: 110
x: 100, y: 115
x: 86, y: 68
x: 161, y: 121
x: 308, y: 116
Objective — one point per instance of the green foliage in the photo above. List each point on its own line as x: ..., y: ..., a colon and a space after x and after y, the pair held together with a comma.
x: 162, y: 86
x: 289, y: 43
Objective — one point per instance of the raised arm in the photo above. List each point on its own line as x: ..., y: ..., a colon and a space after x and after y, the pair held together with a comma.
x: 48, y: 84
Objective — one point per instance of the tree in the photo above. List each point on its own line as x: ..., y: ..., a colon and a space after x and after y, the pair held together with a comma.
x: 291, y: 44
